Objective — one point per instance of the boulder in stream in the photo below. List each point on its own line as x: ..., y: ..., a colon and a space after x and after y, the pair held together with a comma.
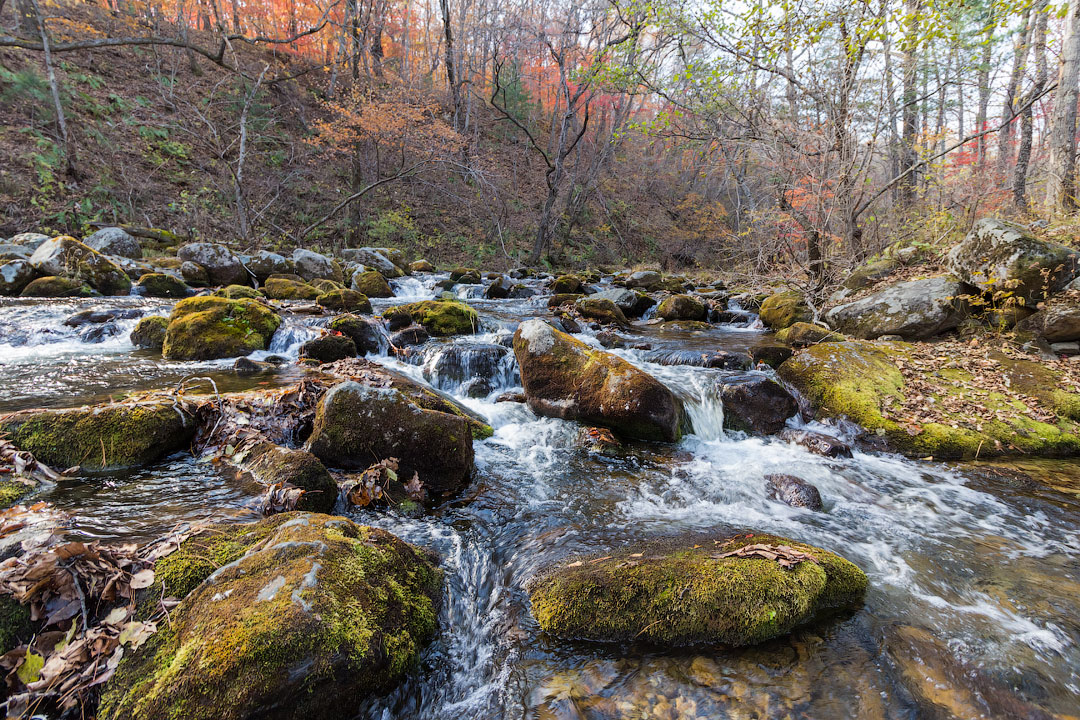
x: 563, y: 377
x: 220, y: 265
x: 205, y: 328
x: 311, y: 265
x: 439, y: 317
x: 56, y: 286
x: 299, y: 615
x: 802, y: 334
x: 756, y: 403
x: 67, y: 257
x: 371, y: 284
x: 601, y: 310
x: 736, y: 591
x: 682, y: 307
x: 115, y: 241
x: 793, y: 491
x: 281, y: 288
x: 365, y: 334
x: 328, y: 348
x: 631, y: 302
x: 566, y: 285
x: 817, y: 443
x: 344, y: 301
x: 273, y: 465
x: 161, y: 285
x: 149, y: 332
x: 784, y: 309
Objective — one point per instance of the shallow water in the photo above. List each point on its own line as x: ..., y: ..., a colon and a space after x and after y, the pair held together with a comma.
x: 985, y: 562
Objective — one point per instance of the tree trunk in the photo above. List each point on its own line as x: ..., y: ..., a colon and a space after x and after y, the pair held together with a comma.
x: 984, y: 85
x: 1020, y: 50
x: 54, y: 88
x: 909, y: 157
x: 455, y: 88
x: 1023, y: 155
x: 1062, y: 165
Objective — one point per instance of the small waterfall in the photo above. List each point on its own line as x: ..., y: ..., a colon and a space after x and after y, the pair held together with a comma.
x: 751, y: 322
x: 411, y: 288
x: 474, y: 369
x: 289, y: 337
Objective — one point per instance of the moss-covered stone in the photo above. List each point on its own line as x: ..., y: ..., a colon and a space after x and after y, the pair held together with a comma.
x: 278, y: 288
x: 439, y: 317
x: 204, y: 328
x: 12, y: 491
x: 344, y: 300
x: 682, y: 307
x: 566, y: 285
x: 325, y: 285
x: 149, y: 333
x: 801, y: 334
x: 55, y: 286
x: 237, y: 292
x: 101, y: 437
x: 15, y: 625
x: 364, y: 333
x: 684, y: 595
x: 162, y: 285
x: 467, y: 276
x: 328, y: 348
x: 372, y: 284
x: 563, y: 299
x: 563, y: 377
x: 601, y: 310
x: 421, y: 266
x: 67, y: 257
x: 316, y: 614
x: 785, y: 309
x: 272, y: 464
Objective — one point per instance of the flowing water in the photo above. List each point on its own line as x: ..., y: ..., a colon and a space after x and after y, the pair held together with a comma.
x: 974, y: 604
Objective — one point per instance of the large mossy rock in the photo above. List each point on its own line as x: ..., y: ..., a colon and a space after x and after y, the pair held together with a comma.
x: 862, y: 381
x: 439, y: 317
x: 785, y: 309
x: 344, y: 301
x: 220, y: 266
x: 372, y: 284
x: 914, y: 310
x: 358, y: 425
x: 366, y: 334
x: 601, y: 310
x: 563, y: 377
x: 682, y: 307
x: 205, y: 328
x: 279, y: 288
x: 870, y: 273
x: 997, y: 255
x: 631, y: 302
x: 149, y: 332
x: 647, y: 280
x: 161, y: 285
x: 680, y: 594
x: 301, y: 615
x: 56, y: 286
x: 67, y: 257
x: 273, y: 464
x: 802, y: 334
x: 102, y: 437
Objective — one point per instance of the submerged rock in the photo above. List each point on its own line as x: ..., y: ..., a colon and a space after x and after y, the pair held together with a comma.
x: 67, y: 257
x: 102, y: 437
x: 913, y: 310
x: 785, y: 309
x: 566, y: 378
x: 299, y: 615
x: 722, y: 359
x: 757, y: 404
x: 676, y: 594
x: 218, y: 262
x: 357, y: 425
x: 205, y: 328
x: 793, y: 491
x: 439, y: 317
x: 149, y: 333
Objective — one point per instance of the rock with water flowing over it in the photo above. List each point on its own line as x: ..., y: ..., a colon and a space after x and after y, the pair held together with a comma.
x: 102, y: 437
x: 997, y: 255
x: 311, y: 265
x: 67, y: 257
x: 601, y: 310
x: 756, y: 403
x: 161, y: 285
x: 439, y: 317
x: 299, y: 615
x: 205, y: 328
x: 793, y: 491
x: 453, y: 365
x: 149, y: 333
x: 784, y: 309
x: 735, y: 591
x: 682, y: 307
x: 115, y: 241
x: 566, y: 378
x: 357, y: 425
x: 372, y: 284
x: 220, y: 265
x: 817, y: 443
x: 913, y: 310
x: 1058, y: 320
x: 15, y: 275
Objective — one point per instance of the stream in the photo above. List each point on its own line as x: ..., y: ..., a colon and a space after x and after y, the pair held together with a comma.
x: 974, y: 600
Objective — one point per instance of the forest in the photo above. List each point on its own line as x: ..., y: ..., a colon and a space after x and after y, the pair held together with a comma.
x: 539, y: 360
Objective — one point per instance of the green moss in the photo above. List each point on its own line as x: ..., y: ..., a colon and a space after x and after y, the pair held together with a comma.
x: 345, y: 300
x: 286, y: 289
x: 785, y: 309
x: 273, y: 464
x: 566, y: 284
x: 372, y: 284
x: 162, y: 285
x: 602, y: 310
x: 560, y: 299
x: 55, y: 286
x: 801, y: 334
x: 204, y: 328
x: 685, y: 596
x: 11, y: 492
x: 15, y: 625
x: 150, y: 332
x: 682, y: 307
x: 325, y: 285
x: 236, y: 292
x: 439, y: 317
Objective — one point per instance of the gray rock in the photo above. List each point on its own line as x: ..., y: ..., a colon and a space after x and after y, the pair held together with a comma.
x: 913, y: 310
x: 997, y: 255
x: 15, y: 275
x: 313, y: 266
x: 14, y: 252
x: 29, y: 240
x: 499, y: 288
x: 67, y: 257
x: 194, y: 273
x: 1065, y: 348
x: 115, y: 241
x: 1058, y: 321
x: 633, y: 304
x: 645, y: 279
x: 793, y: 491
x: 221, y: 265
x: 373, y: 258
x: 265, y: 263
x: 757, y: 404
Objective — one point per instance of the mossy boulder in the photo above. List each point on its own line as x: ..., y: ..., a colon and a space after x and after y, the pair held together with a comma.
x: 344, y: 300
x: 563, y: 299
x: 862, y: 382
x: 218, y: 264
x: 563, y: 377
x: 686, y: 593
x: 372, y: 284
x: 205, y: 328
x: 102, y: 437
x: 439, y: 317
x: 682, y: 307
x: 468, y: 276
x: 149, y: 332
x: 273, y: 464
x: 316, y: 614
x: 801, y: 334
x: 785, y: 309
x: 914, y: 310
x: 418, y: 266
x: 237, y: 292
x: 328, y: 348
x: 365, y: 334
x: 870, y: 273
x: 287, y: 289
x: 324, y: 286
x: 357, y: 425
x: 161, y: 285
x: 55, y: 286
x: 565, y: 285
x: 647, y: 280
x: 632, y: 302
x: 65, y: 256
x: 601, y: 310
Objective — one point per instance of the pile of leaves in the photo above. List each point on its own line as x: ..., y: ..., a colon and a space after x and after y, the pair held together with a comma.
x: 372, y: 485
x: 360, y: 370
x: 785, y: 555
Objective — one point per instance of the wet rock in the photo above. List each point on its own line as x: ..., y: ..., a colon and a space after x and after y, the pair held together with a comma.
x: 997, y: 255
x: 499, y: 288
x: 793, y: 491
x: 566, y: 322
x: 757, y: 404
x: 521, y: 292
x: 102, y: 437
x: 711, y: 359
x: 633, y: 304
x: 149, y: 333
x: 598, y: 441
x: 457, y: 364
x: 785, y: 309
x: 802, y: 334
x: 1057, y: 321
x: 205, y: 328
x: 686, y: 593
x: 771, y: 355
x: 328, y: 348
x: 421, y: 266
x: 439, y: 317
x: 324, y: 285
x: 237, y: 292
x: 97, y: 333
x: 357, y: 425
x: 477, y: 387
x: 682, y: 307
x: 115, y: 241
x: 15, y: 275
x: 371, y: 284
x: 374, y: 259
x: 647, y: 280
x: 67, y: 257
x: 221, y: 266
x: 247, y: 366
x: 817, y: 443
x: 344, y: 300
x: 312, y: 266
x: 566, y: 285
x: 601, y: 310
x: 365, y: 334
x: 515, y: 397
x: 913, y: 310
x: 609, y: 339
x: 565, y: 378
x: 55, y: 286
x: 287, y: 289
x: 410, y: 335
x: 272, y: 464
x: 265, y: 263
x: 465, y: 276
x: 563, y: 299
x: 161, y: 285
x: 304, y: 616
